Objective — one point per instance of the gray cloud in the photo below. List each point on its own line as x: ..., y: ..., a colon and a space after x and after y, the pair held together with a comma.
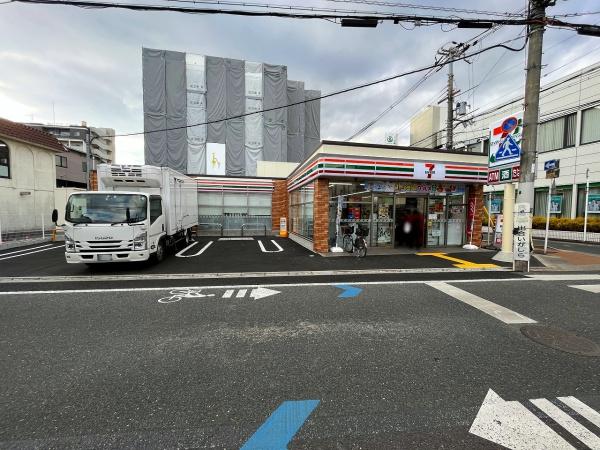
x: 88, y: 63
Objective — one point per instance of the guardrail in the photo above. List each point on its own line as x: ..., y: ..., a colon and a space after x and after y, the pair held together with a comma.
x: 211, y: 224
x: 244, y: 225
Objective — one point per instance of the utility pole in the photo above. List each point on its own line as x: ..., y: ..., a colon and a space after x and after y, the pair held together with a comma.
x: 450, y: 116
x: 88, y: 156
x: 532, y: 100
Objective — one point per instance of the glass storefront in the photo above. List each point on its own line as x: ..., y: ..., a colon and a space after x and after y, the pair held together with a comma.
x: 232, y: 209
x: 411, y: 214
x: 301, y: 211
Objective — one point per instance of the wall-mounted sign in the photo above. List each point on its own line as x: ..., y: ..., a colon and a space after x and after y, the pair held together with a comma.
x: 593, y: 205
x: 551, y: 165
x: 496, y: 206
x: 414, y: 187
x: 430, y: 171
x: 556, y: 204
x: 215, y: 159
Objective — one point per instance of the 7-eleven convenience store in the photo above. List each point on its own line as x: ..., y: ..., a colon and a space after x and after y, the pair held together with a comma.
x: 405, y: 196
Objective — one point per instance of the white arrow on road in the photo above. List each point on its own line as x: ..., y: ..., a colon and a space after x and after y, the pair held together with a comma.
x: 510, y: 424
x: 261, y: 292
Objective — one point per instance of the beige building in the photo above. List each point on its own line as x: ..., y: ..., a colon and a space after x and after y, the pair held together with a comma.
x: 27, y: 177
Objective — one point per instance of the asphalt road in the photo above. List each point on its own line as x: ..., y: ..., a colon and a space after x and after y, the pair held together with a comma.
x: 593, y: 249
x: 403, y: 364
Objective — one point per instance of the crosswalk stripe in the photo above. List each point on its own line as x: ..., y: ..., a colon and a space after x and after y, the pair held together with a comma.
x: 568, y: 423
x: 241, y: 293
x: 582, y: 409
x: 228, y: 293
x: 593, y: 288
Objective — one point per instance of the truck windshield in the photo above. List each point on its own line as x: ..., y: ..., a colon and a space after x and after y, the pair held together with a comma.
x: 106, y: 208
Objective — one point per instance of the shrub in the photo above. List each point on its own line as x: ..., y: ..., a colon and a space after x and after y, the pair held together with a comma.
x: 563, y: 224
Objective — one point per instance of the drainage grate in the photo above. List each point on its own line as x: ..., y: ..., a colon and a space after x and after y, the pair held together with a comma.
x: 561, y: 340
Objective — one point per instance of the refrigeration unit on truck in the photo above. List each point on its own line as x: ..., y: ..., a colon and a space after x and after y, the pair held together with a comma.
x: 137, y: 213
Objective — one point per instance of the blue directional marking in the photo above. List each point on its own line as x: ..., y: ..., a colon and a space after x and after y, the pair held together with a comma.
x: 281, y: 426
x: 348, y: 291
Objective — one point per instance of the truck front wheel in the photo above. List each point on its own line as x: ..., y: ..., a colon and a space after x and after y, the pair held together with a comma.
x: 159, y: 255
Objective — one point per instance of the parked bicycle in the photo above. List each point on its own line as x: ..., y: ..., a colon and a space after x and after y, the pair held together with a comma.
x: 354, y: 240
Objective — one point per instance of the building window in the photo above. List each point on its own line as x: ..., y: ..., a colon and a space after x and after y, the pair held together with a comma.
x: 4, y: 161
x: 84, y: 166
x: 301, y: 211
x: 557, y: 133
x: 590, y: 125
x: 61, y: 161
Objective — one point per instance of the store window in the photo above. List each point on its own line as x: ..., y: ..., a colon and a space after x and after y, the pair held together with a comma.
x: 4, y: 160
x: 557, y: 133
x: 301, y: 211
x: 590, y: 125
x: 593, y: 201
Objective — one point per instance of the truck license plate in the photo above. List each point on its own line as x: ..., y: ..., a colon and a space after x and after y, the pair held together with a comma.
x: 104, y: 257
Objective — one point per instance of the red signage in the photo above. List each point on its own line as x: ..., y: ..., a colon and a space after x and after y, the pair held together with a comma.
x: 516, y: 173
x: 493, y: 176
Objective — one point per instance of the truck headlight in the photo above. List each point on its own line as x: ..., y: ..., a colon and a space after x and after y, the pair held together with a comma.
x: 139, y: 243
x: 69, y: 244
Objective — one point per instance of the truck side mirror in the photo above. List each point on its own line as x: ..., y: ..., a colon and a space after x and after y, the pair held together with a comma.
x: 55, y: 216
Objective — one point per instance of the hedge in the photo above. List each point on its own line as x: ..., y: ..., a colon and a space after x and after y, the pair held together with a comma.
x: 539, y: 223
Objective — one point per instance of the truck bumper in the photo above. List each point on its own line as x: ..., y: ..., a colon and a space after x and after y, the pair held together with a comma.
x: 107, y: 257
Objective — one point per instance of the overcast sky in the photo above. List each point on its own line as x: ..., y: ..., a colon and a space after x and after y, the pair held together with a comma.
x: 88, y: 63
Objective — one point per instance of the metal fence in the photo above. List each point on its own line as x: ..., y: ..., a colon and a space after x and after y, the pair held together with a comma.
x: 234, y: 225
x: 574, y: 236
x: 24, y: 227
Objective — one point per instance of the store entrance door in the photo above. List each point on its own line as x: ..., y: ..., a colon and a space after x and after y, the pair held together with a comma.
x: 409, y: 221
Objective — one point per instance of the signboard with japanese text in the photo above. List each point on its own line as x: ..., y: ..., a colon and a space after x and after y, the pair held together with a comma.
x: 504, y: 175
x: 496, y: 206
x: 414, y: 187
x: 522, y: 225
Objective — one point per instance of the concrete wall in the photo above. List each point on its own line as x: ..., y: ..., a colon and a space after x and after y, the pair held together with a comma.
x: 273, y: 169
x: 424, y: 127
x: 29, y: 192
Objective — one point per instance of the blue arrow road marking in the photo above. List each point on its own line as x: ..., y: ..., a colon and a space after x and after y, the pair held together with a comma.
x: 281, y: 426
x: 348, y: 291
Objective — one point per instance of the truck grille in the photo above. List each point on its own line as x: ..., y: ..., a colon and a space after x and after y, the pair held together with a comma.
x: 103, y: 246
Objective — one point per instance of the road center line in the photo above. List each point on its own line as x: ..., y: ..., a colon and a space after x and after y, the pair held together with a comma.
x: 499, y: 312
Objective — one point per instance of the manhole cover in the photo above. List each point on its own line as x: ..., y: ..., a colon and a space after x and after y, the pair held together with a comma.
x: 561, y: 340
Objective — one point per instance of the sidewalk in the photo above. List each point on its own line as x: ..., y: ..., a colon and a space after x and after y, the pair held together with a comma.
x: 568, y: 260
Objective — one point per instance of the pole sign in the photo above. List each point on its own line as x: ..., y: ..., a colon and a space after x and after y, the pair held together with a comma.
x: 522, y: 224
x: 593, y: 206
x: 504, y: 156
x: 551, y: 165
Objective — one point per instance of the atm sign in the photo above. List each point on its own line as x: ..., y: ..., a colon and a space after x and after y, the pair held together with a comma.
x: 504, y: 175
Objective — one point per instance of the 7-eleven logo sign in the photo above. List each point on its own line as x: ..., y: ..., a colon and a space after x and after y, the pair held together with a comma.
x: 430, y: 171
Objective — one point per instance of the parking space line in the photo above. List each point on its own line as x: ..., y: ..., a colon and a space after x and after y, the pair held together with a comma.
x: 498, y: 312
x: 237, y: 239
x: 30, y: 253
x: 262, y: 247
x: 25, y: 250
x: 195, y: 254
x: 567, y: 422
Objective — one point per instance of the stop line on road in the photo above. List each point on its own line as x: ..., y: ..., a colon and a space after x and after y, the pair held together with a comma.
x: 513, y: 425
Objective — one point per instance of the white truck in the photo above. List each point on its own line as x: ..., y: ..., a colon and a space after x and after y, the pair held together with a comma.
x: 137, y: 213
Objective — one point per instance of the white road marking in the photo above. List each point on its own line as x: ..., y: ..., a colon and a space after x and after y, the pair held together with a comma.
x: 25, y: 250
x: 593, y: 288
x: 29, y: 253
x: 237, y: 239
x: 582, y: 409
x: 241, y: 293
x: 499, y: 312
x: 568, y: 423
x: 198, y: 253
x: 510, y: 424
x: 262, y: 247
x: 564, y: 277
x: 261, y: 292
x: 228, y: 293
x: 239, y: 286
x: 213, y: 275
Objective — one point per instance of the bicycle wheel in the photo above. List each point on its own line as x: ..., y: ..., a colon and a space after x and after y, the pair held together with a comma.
x: 347, y: 243
x: 360, y: 249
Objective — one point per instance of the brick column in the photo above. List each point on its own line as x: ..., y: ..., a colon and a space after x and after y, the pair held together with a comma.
x: 321, y: 216
x: 475, y: 201
x: 279, y: 204
x: 93, y: 180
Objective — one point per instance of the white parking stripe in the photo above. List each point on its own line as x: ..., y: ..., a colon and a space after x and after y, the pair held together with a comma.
x: 582, y: 409
x: 29, y: 253
x: 499, y: 312
x: 24, y: 250
x: 568, y: 423
x: 198, y: 253
x: 262, y: 247
x: 237, y: 239
x: 593, y: 288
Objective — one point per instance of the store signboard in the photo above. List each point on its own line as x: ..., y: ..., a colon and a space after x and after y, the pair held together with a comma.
x: 593, y: 205
x: 414, y: 187
x: 504, y: 175
x: 430, y: 171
